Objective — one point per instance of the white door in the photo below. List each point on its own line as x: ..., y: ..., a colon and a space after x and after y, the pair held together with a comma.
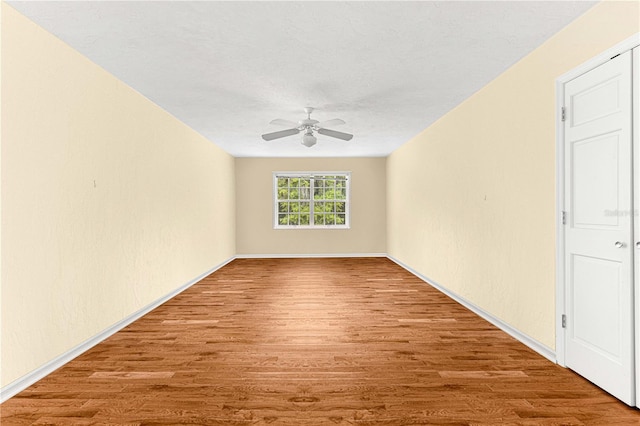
x: 598, y: 233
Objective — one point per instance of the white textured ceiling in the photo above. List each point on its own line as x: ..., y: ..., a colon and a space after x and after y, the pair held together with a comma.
x: 226, y: 69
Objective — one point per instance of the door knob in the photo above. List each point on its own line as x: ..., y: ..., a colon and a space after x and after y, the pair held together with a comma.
x: 638, y: 244
x: 620, y: 244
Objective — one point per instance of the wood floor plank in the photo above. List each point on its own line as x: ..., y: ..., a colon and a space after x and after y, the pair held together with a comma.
x: 354, y: 341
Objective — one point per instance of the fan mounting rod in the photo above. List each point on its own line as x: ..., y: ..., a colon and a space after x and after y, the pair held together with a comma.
x: 308, y: 123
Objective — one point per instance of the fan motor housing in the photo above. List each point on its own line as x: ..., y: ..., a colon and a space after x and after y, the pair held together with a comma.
x: 307, y: 122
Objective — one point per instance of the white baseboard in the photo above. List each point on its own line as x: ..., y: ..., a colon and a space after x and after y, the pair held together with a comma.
x: 532, y: 343
x: 296, y: 256
x: 27, y: 380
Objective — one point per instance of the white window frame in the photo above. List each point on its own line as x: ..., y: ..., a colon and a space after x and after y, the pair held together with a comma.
x: 347, y: 200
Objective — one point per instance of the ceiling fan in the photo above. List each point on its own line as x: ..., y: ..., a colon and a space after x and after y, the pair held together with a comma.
x: 308, y: 126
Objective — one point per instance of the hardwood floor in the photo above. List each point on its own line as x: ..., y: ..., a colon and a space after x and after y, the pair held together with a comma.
x: 313, y: 342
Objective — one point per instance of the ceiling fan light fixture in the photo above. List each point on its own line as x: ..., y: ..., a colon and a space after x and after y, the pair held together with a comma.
x: 309, y: 140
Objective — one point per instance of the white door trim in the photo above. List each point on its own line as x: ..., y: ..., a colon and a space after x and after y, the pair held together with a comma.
x: 600, y: 59
x: 635, y: 107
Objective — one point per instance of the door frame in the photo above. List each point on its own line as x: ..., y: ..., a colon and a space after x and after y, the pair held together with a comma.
x: 635, y: 141
x: 587, y: 66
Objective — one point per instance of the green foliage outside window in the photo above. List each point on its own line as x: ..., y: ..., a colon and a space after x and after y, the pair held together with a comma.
x: 325, y: 196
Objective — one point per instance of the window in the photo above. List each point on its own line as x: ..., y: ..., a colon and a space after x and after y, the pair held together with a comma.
x: 311, y: 200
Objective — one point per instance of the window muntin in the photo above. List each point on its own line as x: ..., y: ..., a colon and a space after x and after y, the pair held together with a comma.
x: 311, y: 200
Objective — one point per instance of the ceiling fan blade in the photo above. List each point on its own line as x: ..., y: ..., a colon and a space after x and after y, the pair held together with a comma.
x: 334, y: 134
x: 285, y: 123
x: 330, y: 123
x: 280, y: 134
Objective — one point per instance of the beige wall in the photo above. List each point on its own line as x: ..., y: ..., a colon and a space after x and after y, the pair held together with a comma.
x: 108, y: 202
x: 471, y: 200
x: 254, y: 208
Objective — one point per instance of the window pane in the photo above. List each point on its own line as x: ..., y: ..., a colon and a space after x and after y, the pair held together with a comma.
x: 328, y: 194
x: 294, y: 219
x: 340, y: 194
x: 282, y: 219
x: 304, y: 219
x: 305, y: 193
x: 329, y: 219
x: 304, y: 207
x: 294, y: 207
x: 340, y: 219
x: 318, y: 219
x: 293, y: 194
x: 318, y: 193
x: 340, y: 207
x: 318, y: 206
x: 283, y: 207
